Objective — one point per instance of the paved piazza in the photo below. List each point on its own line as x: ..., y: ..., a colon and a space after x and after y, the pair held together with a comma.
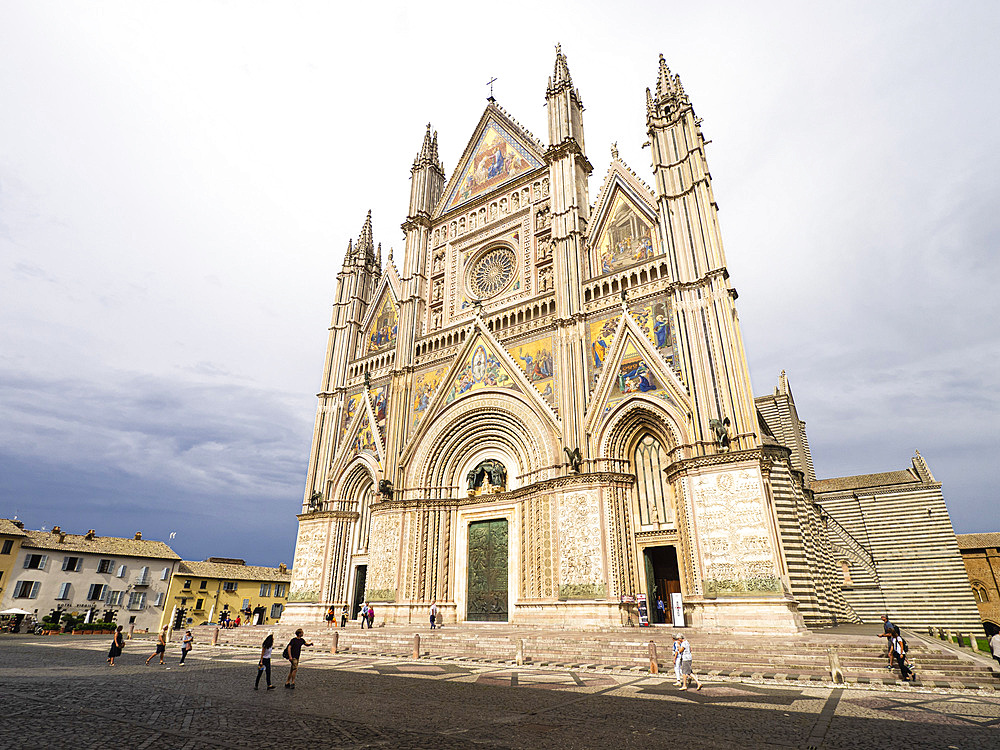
x: 58, y: 692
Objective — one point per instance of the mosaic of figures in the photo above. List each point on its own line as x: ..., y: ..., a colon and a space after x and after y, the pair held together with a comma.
x: 480, y: 370
x: 627, y: 238
x: 424, y: 388
x: 379, y: 405
x: 382, y: 332
x: 353, y: 404
x: 535, y: 360
x: 652, y: 317
x: 602, y: 333
x: 365, y: 441
x: 496, y: 159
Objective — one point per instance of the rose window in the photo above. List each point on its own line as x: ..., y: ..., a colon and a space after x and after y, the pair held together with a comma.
x: 492, y: 272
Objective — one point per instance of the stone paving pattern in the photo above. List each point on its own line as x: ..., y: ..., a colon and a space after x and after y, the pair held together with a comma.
x: 58, y: 692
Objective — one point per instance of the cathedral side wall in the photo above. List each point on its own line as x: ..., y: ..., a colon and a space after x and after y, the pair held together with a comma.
x: 921, y: 580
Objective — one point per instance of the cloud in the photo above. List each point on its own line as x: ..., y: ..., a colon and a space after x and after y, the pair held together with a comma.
x: 180, y: 454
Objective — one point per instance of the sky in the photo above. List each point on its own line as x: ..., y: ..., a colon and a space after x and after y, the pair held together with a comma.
x: 179, y: 180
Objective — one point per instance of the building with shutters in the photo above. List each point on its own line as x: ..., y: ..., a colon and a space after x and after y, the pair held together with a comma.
x: 542, y: 412
x: 112, y: 578
x: 202, y: 591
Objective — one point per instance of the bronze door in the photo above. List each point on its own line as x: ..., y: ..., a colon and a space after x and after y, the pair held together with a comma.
x: 487, y: 592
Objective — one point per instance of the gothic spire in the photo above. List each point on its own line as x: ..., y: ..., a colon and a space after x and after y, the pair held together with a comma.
x: 428, y: 155
x: 670, y: 94
x: 365, y: 247
x: 561, y: 79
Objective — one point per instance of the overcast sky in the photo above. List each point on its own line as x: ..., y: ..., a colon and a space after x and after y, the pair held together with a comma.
x: 178, y: 182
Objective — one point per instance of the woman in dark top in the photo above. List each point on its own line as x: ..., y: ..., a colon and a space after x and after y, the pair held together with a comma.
x: 117, y: 644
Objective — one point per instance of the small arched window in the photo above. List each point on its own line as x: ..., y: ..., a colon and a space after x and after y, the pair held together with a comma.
x: 845, y: 568
x: 980, y: 592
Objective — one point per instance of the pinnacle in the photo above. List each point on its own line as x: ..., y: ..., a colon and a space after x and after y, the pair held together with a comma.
x: 664, y: 81
x: 365, y: 246
x: 562, y: 69
x: 561, y: 79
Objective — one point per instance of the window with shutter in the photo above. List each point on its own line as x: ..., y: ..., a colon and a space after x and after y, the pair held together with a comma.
x: 34, y: 590
x: 105, y: 566
x: 121, y: 571
x: 165, y: 574
x: 63, y: 591
x: 158, y: 602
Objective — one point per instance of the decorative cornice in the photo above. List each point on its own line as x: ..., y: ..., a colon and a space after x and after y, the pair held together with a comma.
x: 603, y: 478
x: 347, y: 515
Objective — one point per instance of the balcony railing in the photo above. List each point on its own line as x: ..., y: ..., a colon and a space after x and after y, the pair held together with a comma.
x: 142, y: 580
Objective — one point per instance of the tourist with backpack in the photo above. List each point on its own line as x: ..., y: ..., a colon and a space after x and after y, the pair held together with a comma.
x: 292, y: 652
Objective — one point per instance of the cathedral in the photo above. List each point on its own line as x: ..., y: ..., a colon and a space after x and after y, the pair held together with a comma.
x: 544, y: 414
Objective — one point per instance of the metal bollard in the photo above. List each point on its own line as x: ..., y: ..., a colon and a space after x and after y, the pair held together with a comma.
x: 836, y: 674
x: 416, y: 645
x: 519, y: 656
x: 336, y: 640
x: 170, y: 633
x: 654, y: 668
x: 215, y: 637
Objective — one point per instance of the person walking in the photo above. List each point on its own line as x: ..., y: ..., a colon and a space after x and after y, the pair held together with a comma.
x: 661, y: 612
x: 371, y: 616
x: 161, y: 646
x: 293, y: 651
x: 186, y: 643
x: 364, y: 615
x: 343, y: 616
x: 677, y: 661
x: 898, y: 649
x: 888, y: 631
x: 331, y: 618
x: 995, y: 646
x: 687, y: 662
x: 434, y: 613
x: 117, y: 644
x: 264, y: 667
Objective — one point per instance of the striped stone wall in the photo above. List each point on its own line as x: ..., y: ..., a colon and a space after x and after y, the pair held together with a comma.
x: 915, y: 572
x: 809, y: 558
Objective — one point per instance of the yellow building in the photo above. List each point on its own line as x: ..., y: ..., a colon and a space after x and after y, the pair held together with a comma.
x: 204, y: 592
x: 11, y: 534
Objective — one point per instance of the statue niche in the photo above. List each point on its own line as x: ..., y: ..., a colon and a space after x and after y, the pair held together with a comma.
x: 489, y: 476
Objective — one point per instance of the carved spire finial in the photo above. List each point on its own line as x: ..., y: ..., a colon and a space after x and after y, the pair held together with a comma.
x: 614, y: 150
x: 366, y: 247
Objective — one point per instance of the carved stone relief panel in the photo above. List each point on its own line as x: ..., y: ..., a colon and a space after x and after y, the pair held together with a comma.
x: 581, y: 568
x: 309, y: 562
x: 536, y: 550
x: 730, y: 519
x: 383, y: 544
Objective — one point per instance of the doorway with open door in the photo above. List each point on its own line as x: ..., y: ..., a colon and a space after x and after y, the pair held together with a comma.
x: 663, y: 578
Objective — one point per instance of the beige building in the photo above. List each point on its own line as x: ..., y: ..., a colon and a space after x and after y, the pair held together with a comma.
x: 202, y: 592
x: 544, y: 413
x: 11, y: 536
x: 981, y: 555
x: 112, y: 578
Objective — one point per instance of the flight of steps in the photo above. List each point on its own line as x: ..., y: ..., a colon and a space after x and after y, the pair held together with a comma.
x: 799, y: 657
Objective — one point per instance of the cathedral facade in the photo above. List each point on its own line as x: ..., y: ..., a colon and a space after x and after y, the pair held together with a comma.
x: 544, y: 413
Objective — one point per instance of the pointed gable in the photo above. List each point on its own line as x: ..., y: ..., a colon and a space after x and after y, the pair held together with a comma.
x: 380, y: 329
x: 499, y: 152
x: 632, y: 367
x: 481, y: 368
x: 362, y: 429
x: 624, y: 225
